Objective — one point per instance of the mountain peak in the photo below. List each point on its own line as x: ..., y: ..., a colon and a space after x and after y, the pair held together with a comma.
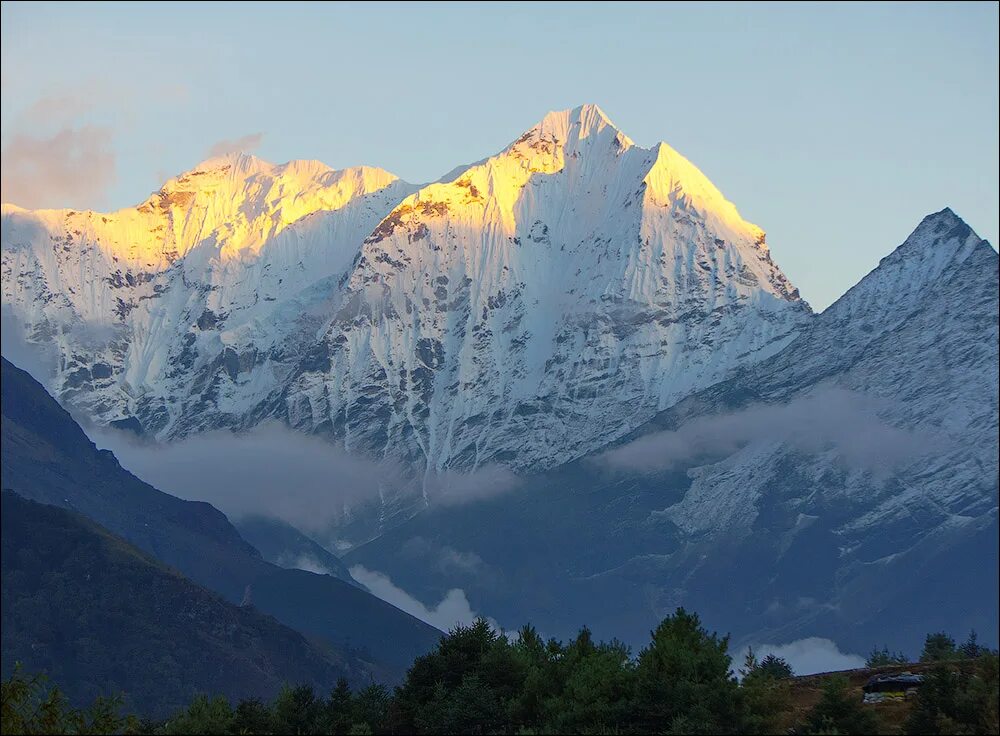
x: 940, y: 242
x: 939, y: 228
x: 572, y: 129
x: 238, y: 159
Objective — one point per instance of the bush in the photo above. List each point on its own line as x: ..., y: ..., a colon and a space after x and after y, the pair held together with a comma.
x: 958, y: 701
x: 840, y: 711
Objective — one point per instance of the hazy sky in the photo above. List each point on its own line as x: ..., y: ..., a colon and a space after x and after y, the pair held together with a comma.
x: 835, y: 128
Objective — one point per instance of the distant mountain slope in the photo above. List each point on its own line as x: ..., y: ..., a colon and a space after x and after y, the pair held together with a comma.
x: 48, y: 458
x: 846, y: 487
x: 286, y: 546
x: 99, y: 616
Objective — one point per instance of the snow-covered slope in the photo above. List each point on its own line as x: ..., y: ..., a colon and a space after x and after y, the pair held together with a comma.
x: 524, y: 310
x: 143, y: 305
x: 846, y: 487
x: 917, y: 338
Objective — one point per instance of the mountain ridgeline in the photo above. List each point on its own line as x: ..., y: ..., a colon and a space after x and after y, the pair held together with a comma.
x: 531, y: 308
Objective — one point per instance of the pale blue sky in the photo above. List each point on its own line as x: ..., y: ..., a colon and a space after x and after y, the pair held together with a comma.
x: 835, y: 128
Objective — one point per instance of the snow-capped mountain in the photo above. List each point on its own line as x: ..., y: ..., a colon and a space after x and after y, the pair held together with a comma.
x: 523, y: 310
x: 594, y: 315
x: 143, y: 305
x: 845, y: 487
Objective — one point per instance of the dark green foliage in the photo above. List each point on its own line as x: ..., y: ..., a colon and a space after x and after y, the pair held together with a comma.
x: 971, y: 649
x: 939, y: 647
x: 339, y: 709
x: 683, y: 680
x: 480, y: 682
x: 204, y: 716
x: 371, y: 709
x: 298, y: 711
x: 959, y: 700
x: 840, y: 711
x: 252, y: 716
x: 883, y: 658
x: 459, y: 687
x: 30, y: 706
x: 775, y: 668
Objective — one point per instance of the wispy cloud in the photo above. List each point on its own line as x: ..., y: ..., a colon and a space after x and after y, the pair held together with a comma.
x: 453, y: 610
x: 271, y: 471
x: 246, y: 144
x: 443, y: 558
x: 56, y: 110
x: 829, y: 418
x: 74, y: 167
x: 453, y: 488
x: 40, y: 360
x: 282, y: 473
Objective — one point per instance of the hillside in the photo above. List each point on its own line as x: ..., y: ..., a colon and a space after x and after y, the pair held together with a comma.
x: 99, y: 616
x: 806, y: 691
x: 48, y: 458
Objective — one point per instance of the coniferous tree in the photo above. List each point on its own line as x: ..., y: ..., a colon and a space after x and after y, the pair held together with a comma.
x: 683, y: 680
x: 938, y: 647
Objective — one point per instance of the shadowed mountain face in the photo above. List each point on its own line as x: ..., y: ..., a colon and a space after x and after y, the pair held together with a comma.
x: 48, y: 458
x: 844, y: 488
x: 286, y: 546
x: 99, y: 616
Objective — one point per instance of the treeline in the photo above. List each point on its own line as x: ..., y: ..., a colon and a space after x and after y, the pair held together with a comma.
x: 480, y: 682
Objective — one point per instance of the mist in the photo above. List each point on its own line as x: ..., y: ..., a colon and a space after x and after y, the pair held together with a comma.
x: 453, y: 610
x: 38, y: 360
x: 271, y: 471
x: 283, y: 473
x: 827, y: 419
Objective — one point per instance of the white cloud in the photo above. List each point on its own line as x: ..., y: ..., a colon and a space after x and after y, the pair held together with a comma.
x: 828, y: 418
x: 303, y: 562
x: 452, y: 611
x: 808, y: 656
x: 282, y: 473
x: 271, y: 470
x: 452, y: 488
x: 39, y: 360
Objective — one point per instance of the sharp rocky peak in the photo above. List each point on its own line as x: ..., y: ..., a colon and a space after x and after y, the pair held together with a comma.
x: 941, y: 242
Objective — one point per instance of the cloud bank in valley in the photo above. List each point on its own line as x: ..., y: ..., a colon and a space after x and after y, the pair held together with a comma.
x: 808, y: 656
x: 272, y: 471
x: 38, y: 360
x: 282, y: 473
x: 453, y: 610
x: 829, y: 418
